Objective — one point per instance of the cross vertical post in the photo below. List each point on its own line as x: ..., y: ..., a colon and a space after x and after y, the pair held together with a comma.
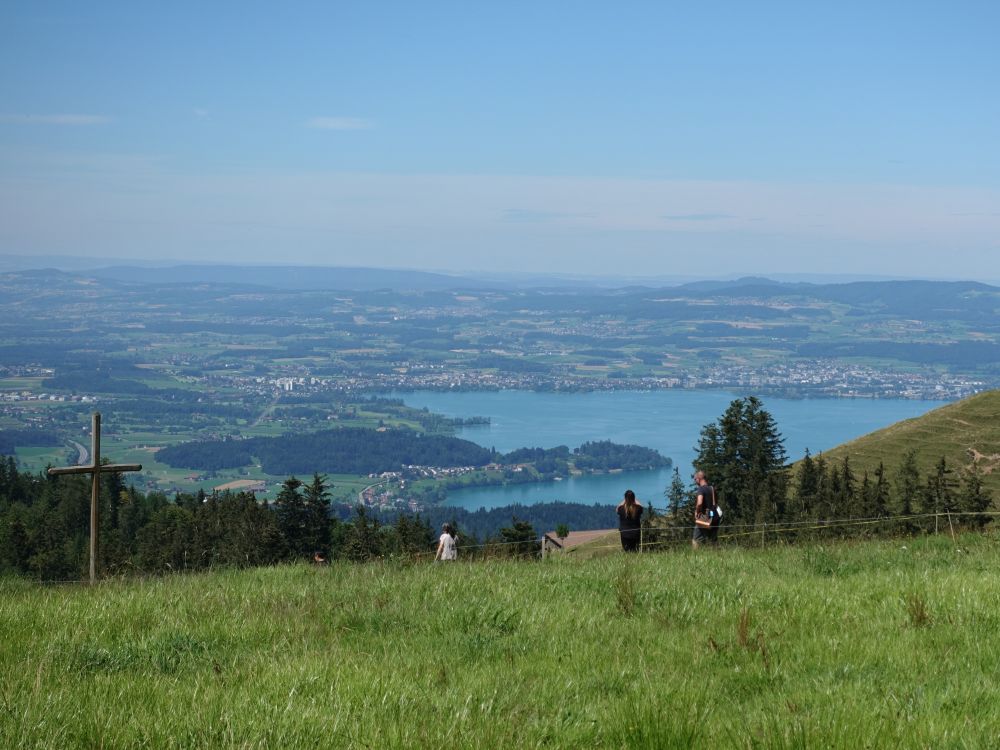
x: 95, y: 469
x: 95, y: 491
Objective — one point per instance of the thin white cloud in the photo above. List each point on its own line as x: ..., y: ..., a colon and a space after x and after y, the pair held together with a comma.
x: 699, y: 217
x: 338, y: 123
x: 64, y: 119
x: 531, y: 216
x: 121, y: 204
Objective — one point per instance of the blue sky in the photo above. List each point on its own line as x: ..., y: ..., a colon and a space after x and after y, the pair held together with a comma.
x: 593, y: 138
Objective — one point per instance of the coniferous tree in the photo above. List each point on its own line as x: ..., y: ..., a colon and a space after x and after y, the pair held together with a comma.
x: 562, y: 531
x: 338, y: 537
x: 317, y: 511
x: 808, y: 484
x: 878, y: 498
x: 939, y: 491
x: 743, y: 456
x: 411, y: 536
x: 835, y: 497
x: 251, y: 535
x: 848, y: 490
x: 908, y: 486
x: 676, y: 494
x: 293, y: 518
x: 467, y: 543
x: 973, y: 499
x: 362, y: 540
x: 15, y: 547
x: 166, y: 542
x: 822, y: 506
x: 519, y: 540
x: 863, y: 495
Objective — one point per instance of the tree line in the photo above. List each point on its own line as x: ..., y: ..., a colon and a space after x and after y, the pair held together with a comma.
x: 44, y: 521
x: 44, y: 529
x: 744, y: 457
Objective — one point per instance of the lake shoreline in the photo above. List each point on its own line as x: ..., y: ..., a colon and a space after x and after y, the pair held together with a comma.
x: 667, y: 420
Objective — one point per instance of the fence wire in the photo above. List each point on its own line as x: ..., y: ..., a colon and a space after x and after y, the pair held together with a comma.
x: 681, y: 532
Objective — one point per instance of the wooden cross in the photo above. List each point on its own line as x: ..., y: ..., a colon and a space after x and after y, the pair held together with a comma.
x: 95, y: 470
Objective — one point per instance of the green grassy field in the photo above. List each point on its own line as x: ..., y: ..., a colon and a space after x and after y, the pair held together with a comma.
x: 36, y: 459
x: 879, y: 644
x: 20, y: 384
x: 959, y: 431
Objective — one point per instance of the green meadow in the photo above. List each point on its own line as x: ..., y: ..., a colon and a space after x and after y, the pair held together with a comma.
x: 965, y: 432
x: 875, y: 644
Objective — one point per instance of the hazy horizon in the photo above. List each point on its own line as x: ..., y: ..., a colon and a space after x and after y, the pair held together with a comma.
x: 639, y: 141
x: 82, y: 264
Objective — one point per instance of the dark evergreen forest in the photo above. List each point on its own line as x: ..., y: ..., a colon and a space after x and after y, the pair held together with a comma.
x: 356, y: 450
x: 350, y: 450
x: 44, y: 529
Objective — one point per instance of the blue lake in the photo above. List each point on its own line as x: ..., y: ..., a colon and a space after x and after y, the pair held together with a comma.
x: 669, y: 421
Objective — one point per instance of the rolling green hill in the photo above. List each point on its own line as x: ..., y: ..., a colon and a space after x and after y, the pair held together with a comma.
x: 964, y: 432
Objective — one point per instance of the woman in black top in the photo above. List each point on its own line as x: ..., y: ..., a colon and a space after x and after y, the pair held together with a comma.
x: 629, y: 526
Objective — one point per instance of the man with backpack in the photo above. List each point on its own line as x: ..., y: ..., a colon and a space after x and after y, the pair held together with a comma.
x: 707, y: 513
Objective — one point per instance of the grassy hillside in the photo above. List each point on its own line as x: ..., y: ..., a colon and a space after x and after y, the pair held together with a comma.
x: 964, y: 431
x: 882, y: 644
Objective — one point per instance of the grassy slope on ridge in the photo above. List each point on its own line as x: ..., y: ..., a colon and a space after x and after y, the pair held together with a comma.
x: 881, y: 644
x: 958, y: 431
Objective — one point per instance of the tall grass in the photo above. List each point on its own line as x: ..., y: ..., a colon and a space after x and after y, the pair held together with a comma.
x: 880, y: 644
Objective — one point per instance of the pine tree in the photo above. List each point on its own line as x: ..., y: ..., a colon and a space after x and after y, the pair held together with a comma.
x: 317, y: 516
x: 808, y: 484
x: 908, y: 484
x: 411, y: 536
x: 362, y: 541
x: 939, y: 492
x: 822, y: 506
x: 743, y: 456
x: 293, y: 518
x: 519, y: 539
x: 848, y: 500
x: 165, y: 543
x: 974, y: 500
x: 676, y: 495
x: 863, y: 495
x: 878, y: 498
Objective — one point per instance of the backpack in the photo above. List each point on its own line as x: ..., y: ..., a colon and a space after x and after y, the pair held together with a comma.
x: 711, y: 517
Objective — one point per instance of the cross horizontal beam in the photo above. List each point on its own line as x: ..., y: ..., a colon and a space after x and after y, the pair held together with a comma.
x: 95, y: 470
x: 103, y: 469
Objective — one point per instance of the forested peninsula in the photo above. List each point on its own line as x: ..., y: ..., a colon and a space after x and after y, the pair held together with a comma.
x: 373, y: 451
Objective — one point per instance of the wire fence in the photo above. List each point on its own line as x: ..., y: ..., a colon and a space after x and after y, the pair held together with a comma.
x: 681, y: 534
x: 677, y: 535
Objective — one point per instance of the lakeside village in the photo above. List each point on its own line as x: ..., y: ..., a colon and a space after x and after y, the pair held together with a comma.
x: 389, y: 489
x: 805, y: 379
x: 393, y: 490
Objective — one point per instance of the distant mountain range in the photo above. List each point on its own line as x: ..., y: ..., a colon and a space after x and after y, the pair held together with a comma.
x: 909, y: 298
x: 312, y: 278
x: 913, y: 299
